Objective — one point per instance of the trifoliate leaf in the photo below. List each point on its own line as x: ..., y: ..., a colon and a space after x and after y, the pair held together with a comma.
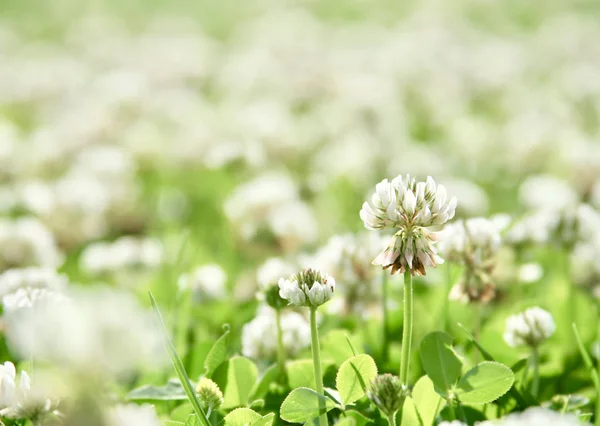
x: 303, y: 404
x: 354, y: 374
x: 485, y: 383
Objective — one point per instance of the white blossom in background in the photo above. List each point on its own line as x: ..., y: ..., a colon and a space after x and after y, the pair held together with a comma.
x: 259, y: 336
x: 545, y: 192
x: 530, y: 272
x: 271, y: 270
x: 132, y: 415
x: 27, y: 242
x: 18, y: 400
x: 477, y: 238
x: 308, y: 287
x: 96, y: 330
x: 530, y: 327
x: 206, y: 282
x: 133, y: 253
x: 538, y: 416
x: 414, y: 210
x: 474, y: 201
x: 32, y: 278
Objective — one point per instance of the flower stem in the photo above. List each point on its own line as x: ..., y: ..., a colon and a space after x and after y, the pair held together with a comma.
x: 386, y: 327
x: 406, y: 328
x: 316, y: 354
x: 535, y: 384
x: 392, y: 419
x: 280, y: 347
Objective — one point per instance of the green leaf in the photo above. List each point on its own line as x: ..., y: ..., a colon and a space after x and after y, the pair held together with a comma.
x: 236, y: 378
x: 301, y: 374
x: 261, y: 387
x: 242, y: 417
x: 172, y: 391
x: 485, y: 383
x: 410, y: 416
x: 179, y: 368
x: 173, y: 423
x: 346, y: 421
x: 302, y: 405
x: 354, y: 372
x: 427, y: 401
x: 217, y: 354
x: 266, y: 420
x: 335, y: 348
x: 439, y: 361
x: 193, y: 420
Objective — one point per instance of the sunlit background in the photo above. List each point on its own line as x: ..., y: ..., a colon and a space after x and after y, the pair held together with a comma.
x: 177, y: 146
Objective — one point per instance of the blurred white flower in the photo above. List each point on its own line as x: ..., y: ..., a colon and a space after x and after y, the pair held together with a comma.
x: 32, y: 278
x: 546, y: 192
x: 475, y: 238
x: 259, y: 336
x: 124, y: 253
x: 308, y: 287
x: 18, y: 399
x: 530, y: 328
x: 414, y: 210
x: 538, y: 416
x: 132, y: 415
x: 530, y: 272
x: 206, y: 282
x: 96, y: 330
x: 27, y: 242
x: 271, y: 270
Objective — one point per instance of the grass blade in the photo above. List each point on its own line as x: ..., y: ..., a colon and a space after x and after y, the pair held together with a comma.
x: 179, y: 368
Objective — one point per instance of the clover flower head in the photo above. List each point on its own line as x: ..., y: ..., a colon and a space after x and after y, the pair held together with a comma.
x: 308, y: 287
x: 387, y: 393
x: 529, y: 328
x: 209, y: 393
x: 414, y: 210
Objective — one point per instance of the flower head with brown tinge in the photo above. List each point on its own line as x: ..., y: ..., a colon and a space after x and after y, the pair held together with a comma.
x: 415, y: 210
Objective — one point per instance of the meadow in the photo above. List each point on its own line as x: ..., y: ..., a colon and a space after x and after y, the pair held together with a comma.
x: 262, y: 213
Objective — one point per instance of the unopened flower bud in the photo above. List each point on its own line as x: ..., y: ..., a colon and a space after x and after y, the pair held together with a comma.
x: 209, y: 393
x: 307, y: 288
x: 387, y: 393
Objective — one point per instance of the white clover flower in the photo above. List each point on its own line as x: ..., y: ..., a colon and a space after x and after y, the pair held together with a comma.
x: 32, y: 278
x: 95, y: 330
x: 132, y: 415
x: 529, y: 328
x: 414, y: 210
x: 31, y: 297
x: 18, y: 399
x: 259, y: 336
x: 307, y: 288
x: 477, y: 238
x: 206, y: 282
x: 547, y: 192
x: 538, y: 416
x: 124, y: 253
x: 530, y: 272
x: 27, y: 242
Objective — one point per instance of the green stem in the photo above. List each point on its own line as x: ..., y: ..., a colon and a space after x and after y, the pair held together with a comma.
x: 446, y: 307
x: 535, y: 384
x: 386, y: 326
x: 280, y: 347
x: 451, y: 408
x: 597, y: 415
x: 392, y: 419
x: 476, y: 325
x: 406, y: 328
x: 316, y: 354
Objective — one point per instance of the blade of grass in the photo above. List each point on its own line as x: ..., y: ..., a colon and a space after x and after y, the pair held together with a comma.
x: 587, y: 360
x: 179, y: 368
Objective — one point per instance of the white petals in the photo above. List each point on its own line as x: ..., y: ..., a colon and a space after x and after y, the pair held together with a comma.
x: 530, y: 328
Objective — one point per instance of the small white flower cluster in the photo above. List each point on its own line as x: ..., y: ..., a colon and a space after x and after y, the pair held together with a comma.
x: 530, y: 328
x: 259, y: 336
x: 132, y: 415
x: 477, y: 238
x: 272, y: 201
x: 17, y: 399
x: 348, y: 257
x: 25, y: 288
x: 126, y: 253
x: 536, y: 416
x: 413, y: 209
x: 206, y: 282
x: 27, y: 242
x: 95, y: 330
x: 308, y: 287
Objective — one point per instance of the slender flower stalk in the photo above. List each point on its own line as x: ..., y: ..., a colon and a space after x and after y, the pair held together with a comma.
x: 386, y: 325
x: 535, y: 384
x: 280, y: 347
x: 316, y: 355
x: 406, y: 328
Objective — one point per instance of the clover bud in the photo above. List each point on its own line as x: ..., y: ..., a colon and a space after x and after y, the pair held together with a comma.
x: 387, y: 393
x: 209, y: 393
